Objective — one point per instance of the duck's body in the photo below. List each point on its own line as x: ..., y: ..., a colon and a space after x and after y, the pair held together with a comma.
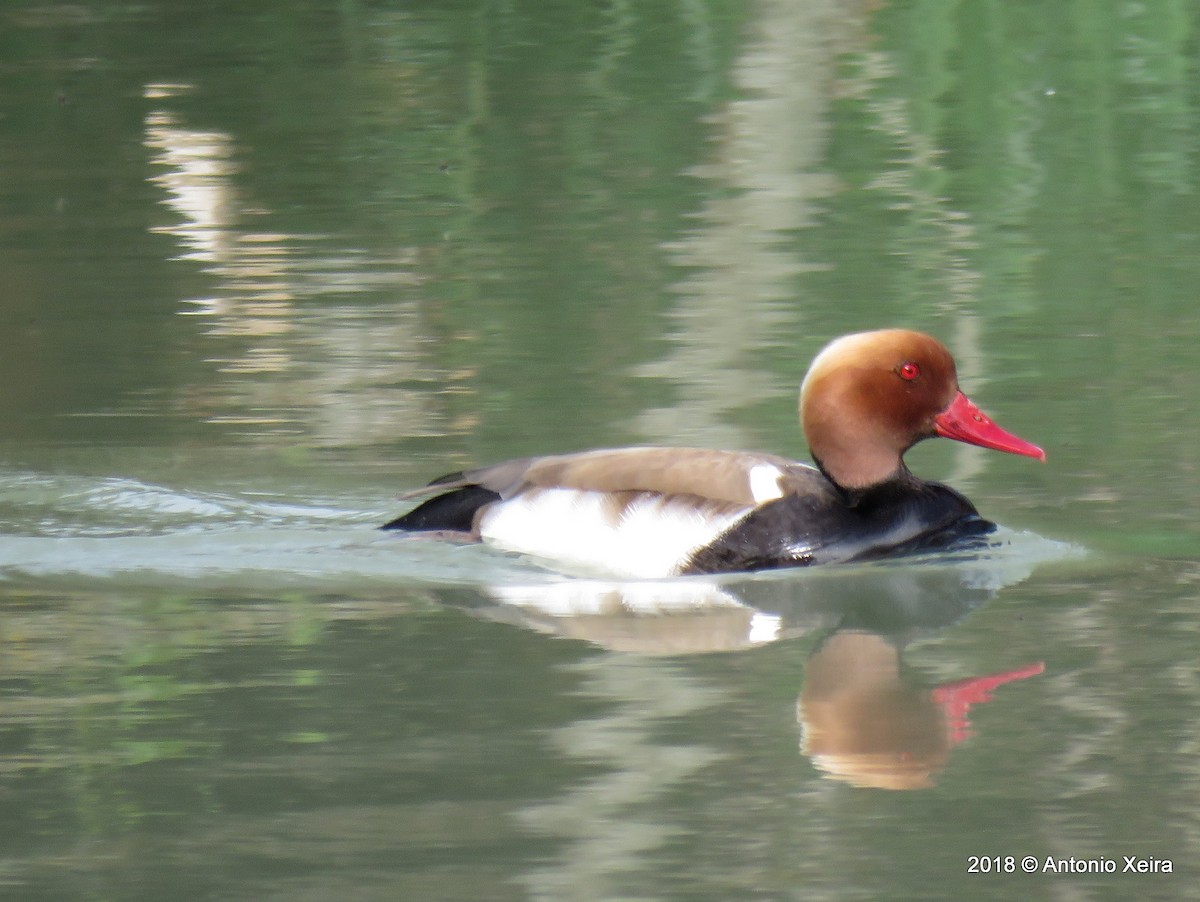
x: 651, y: 512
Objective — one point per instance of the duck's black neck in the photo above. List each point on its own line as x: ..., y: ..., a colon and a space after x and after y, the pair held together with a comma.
x: 901, y: 481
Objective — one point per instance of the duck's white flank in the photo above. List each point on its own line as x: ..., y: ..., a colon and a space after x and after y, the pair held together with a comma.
x: 650, y: 537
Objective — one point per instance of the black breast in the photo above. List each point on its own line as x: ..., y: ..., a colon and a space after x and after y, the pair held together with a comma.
x: 901, y: 516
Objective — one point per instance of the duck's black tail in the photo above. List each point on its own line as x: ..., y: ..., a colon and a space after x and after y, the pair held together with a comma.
x: 453, y: 511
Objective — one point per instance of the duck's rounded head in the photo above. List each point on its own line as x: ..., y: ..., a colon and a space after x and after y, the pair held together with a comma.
x: 870, y: 396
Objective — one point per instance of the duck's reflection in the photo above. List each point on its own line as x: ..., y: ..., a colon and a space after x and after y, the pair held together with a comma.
x: 672, y: 617
x: 864, y: 719
x: 867, y: 722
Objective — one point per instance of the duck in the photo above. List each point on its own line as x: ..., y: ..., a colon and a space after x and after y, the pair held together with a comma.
x: 655, y: 512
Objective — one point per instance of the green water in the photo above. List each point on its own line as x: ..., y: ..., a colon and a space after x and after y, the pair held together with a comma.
x: 263, y: 265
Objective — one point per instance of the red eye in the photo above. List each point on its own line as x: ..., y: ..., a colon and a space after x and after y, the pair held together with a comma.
x: 909, y: 371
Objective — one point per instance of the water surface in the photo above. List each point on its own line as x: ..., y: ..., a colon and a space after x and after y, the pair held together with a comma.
x: 263, y: 266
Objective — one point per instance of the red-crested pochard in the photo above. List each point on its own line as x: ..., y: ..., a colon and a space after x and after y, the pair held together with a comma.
x: 655, y: 511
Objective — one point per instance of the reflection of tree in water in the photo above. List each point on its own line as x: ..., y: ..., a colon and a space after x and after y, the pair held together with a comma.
x: 766, y: 177
x: 290, y: 332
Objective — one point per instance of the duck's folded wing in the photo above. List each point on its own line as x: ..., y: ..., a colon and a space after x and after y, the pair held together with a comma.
x: 734, y: 477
